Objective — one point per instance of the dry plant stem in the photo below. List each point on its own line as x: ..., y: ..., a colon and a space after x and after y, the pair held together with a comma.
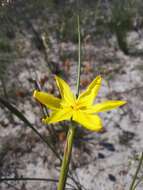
x: 27, y: 179
x: 136, y: 174
x: 138, y: 182
x: 71, y: 132
x: 4, y: 88
x: 30, y: 179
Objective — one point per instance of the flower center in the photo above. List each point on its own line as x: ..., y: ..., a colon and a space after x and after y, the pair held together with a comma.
x: 75, y: 106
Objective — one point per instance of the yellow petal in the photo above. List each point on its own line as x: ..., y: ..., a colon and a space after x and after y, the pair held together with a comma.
x: 106, y: 106
x: 47, y: 99
x: 87, y: 97
x: 60, y: 115
x: 89, y: 121
x: 65, y: 90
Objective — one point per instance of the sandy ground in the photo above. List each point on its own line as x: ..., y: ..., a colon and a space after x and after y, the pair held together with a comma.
x: 103, y: 161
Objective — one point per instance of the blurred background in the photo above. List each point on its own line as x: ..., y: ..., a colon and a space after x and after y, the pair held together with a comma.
x: 38, y: 39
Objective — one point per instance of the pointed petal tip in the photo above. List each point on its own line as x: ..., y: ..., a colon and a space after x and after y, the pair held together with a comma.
x: 45, y: 121
x: 123, y: 102
x: 97, y: 129
x: 99, y: 77
x: 34, y: 93
x: 56, y: 77
x: 100, y: 129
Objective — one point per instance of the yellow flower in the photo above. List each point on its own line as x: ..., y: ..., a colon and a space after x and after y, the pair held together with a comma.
x: 81, y: 109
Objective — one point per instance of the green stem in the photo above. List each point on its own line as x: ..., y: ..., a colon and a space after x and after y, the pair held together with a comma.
x: 79, y: 56
x: 72, y: 129
x: 66, y: 158
x: 137, y: 171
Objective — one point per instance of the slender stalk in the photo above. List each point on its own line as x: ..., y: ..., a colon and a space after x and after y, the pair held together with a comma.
x: 79, y: 57
x: 27, y: 179
x: 72, y: 129
x: 136, y: 173
x: 66, y: 158
x: 4, y: 88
